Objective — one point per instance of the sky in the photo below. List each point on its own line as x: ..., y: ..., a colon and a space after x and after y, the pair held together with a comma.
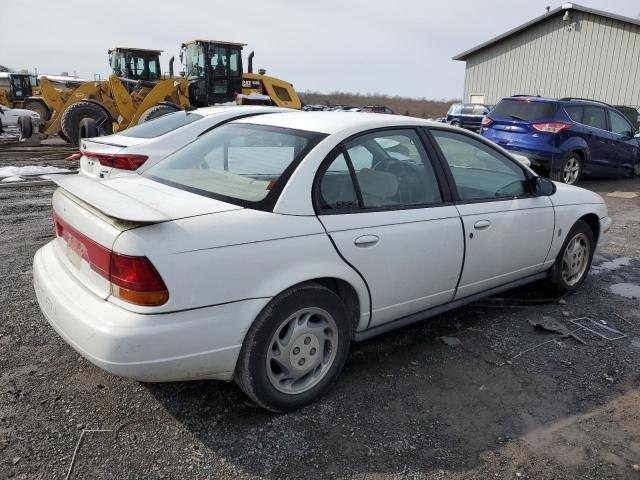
x: 394, y: 47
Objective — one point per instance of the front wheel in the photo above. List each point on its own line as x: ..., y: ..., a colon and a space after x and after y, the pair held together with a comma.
x: 295, y: 349
x: 574, y: 260
x: 570, y: 170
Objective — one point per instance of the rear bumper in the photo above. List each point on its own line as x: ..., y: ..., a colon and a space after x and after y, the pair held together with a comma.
x: 188, y: 345
x: 536, y: 157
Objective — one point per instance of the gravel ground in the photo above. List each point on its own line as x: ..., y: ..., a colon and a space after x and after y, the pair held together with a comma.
x: 407, y: 406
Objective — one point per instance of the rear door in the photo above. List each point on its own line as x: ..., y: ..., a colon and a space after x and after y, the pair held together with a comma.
x: 625, y: 146
x: 508, y: 232
x: 600, y: 141
x: 379, y: 199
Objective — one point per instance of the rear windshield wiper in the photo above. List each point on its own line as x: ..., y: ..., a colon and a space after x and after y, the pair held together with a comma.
x: 516, y: 117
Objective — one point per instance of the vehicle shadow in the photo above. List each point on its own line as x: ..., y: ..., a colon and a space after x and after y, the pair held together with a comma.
x: 407, y: 402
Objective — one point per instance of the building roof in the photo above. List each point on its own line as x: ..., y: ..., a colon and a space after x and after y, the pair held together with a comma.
x: 542, y: 18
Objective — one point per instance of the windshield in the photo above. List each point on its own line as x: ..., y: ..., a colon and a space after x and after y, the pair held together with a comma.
x: 524, y: 109
x: 238, y: 163
x: 161, y: 125
x: 194, y: 61
x: 133, y: 66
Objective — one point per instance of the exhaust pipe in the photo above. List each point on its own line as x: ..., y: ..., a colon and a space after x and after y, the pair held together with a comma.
x: 171, y: 66
x: 250, y: 66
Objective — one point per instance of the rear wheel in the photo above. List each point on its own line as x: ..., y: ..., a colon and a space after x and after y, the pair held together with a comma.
x: 25, y: 127
x: 74, y: 114
x: 155, y: 112
x: 570, y: 170
x: 40, y: 108
x: 295, y: 349
x: 455, y: 123
x: 574, y: 260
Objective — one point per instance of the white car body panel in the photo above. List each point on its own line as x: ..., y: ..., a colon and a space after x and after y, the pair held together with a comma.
x: 159, y: 147
x: 10, y: 116
x: 514, y: 245
x: 223, y: 263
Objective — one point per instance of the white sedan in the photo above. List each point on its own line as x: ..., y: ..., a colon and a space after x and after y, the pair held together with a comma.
x: 261, y: 250
x: 124, y: 152
x: 9, y: 116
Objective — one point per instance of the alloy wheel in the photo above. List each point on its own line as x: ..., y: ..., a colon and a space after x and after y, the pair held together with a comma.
x: 302, y: 350
x: 571, y: 171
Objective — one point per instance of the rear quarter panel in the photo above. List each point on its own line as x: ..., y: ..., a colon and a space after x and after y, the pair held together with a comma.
x: 233, y: 256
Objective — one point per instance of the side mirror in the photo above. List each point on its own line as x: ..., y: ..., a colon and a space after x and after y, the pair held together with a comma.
x: 542, y: 187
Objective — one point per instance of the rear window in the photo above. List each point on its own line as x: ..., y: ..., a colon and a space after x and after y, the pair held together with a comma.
x: 161, y: 125
x: 239, y: 163
x: 524, y: 109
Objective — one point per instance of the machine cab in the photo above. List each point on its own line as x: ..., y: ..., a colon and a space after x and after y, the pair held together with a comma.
x: 213, y: 69
x: 21, y: 86
x: 135, y: 63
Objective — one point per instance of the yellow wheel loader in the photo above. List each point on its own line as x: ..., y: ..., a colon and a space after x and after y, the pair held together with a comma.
x: 135, y: 92
x: 21, y: 90
x: 215, y: 75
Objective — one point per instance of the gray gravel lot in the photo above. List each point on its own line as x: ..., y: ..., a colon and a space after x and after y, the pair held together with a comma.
x: 407, y: 405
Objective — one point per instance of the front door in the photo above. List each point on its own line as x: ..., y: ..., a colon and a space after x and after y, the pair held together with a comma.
x: 380, y: 201
x: 508, y: 232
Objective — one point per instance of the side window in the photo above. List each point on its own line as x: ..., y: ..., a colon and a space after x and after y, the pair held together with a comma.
x: 234, y: 62
x: 393, y: 169
x: 390, y: 169
x: 619, y: 124
x: 479, y: 171
x: 595, y: 117
x: 336, y: 187
x: 574, y: 112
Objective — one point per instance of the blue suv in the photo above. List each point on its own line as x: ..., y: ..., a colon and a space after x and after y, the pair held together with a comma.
x: 568, y: 137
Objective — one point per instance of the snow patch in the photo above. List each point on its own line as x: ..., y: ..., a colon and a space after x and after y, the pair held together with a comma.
x: 12, y: 180
x: 30, y: 170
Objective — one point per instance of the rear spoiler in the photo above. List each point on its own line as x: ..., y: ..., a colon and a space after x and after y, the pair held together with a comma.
x: 107, y: 200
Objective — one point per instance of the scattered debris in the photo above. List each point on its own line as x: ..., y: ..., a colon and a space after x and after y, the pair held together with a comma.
x: 15, y: 460
x: 623, y: 319
x: 75, y: 451
x: 552, y: 325
x: 450, y: 341
x: 627, y: 195
x: 636, y: 467
x: 601, y: 329
x: 562, y: 301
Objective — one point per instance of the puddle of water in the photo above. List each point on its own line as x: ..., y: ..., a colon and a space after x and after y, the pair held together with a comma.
x: 629, y: 290
x: 611, y: 265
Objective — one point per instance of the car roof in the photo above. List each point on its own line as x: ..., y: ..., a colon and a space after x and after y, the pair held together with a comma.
x: 333, y: 122
x: 248, y: 109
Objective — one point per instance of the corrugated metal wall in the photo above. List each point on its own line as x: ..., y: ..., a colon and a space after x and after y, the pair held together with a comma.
x: 598, y: 59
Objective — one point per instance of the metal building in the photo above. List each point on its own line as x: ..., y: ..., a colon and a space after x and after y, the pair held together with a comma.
x: 572, y: 51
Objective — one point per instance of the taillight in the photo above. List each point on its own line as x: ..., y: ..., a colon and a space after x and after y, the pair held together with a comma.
x: 486, y: 121
x: 551, y: 127
x: 123, y: 161
x: 133, y: 279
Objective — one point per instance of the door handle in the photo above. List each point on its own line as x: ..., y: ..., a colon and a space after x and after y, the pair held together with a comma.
x: 366, y: 241
x: 482, y: 224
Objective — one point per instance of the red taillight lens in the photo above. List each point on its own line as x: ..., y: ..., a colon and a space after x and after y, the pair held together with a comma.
x: 123, y: 161
x: 552, y: 127
x: 486, y: 121
x: 133, y: 279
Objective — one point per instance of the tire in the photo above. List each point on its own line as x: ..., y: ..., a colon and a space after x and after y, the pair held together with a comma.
x: 264, y: 380
x: 561, y: 278
x: 156, y: 112
x: 88, y: 128
x: 40, y: 108
x: 25, y: 126
x: 570, y: 171
x: 455, y: 123
x: 63, y: 136
x: 74, y: 114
